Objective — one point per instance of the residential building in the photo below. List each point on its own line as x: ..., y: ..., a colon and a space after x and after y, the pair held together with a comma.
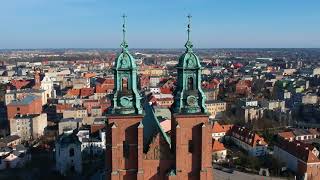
x: 219, y: 152
x: 299, y: 134
x: 215, y: 108
x: 301, y: 158
x: 31, y: 104
x: 248, y: 140
x: 15, y: 157
x: 219, y: 131
x: 68, y: 153
x: 68, y: 124
x: 29, y: 126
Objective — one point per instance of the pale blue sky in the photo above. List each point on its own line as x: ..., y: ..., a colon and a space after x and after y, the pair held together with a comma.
x: 159, y: 23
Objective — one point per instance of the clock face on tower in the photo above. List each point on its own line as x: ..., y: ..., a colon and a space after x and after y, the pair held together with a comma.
x: 191, y: 100
x: 125, y: 101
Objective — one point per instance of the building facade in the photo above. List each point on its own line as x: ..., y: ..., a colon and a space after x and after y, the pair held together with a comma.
x: 28, y: 126
x: 68, y: 153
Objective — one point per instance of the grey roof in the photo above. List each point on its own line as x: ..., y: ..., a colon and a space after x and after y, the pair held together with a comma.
x: 214, y: 101
x: 26, y: 91
x: 91, y: 139
x: 68, y: 138
x: 25, y: 116
x: 300, y: 132
x: 99, y: 120
x: 6, y: 149
x: 71, y: 120
x: 27, y: 100
x: 20, y: 147
x: 9, y: 139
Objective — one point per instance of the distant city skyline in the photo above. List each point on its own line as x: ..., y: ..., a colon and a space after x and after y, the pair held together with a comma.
x: 159, y: 23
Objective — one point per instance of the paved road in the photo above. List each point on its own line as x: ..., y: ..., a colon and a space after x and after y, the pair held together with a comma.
x: 236, y: 175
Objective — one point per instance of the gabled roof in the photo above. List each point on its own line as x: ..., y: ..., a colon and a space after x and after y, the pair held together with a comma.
x: 217, y: 128
x: 299, y: 149
x: 217, y: 146
x: 247, y: 136
x: 286, y: 135
x: 152, y: 127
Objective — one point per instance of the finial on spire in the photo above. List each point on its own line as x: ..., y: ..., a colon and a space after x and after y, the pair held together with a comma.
x: 189, y: 25
x: 124, y: 44
x: 188, y: 44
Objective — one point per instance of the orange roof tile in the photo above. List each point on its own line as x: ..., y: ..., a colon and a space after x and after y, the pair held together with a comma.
x: 217, y: 128
x: 286, y: 135
x: 217, y: 146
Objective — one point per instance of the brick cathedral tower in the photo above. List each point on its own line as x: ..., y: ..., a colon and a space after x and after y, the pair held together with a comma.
x: 138, y: 148
x: 191, y: 137
x: 124, y: 152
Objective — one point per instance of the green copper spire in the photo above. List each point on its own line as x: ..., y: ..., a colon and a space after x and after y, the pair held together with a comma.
x: 126, y: 98
x: 124, y: 43
x: 188, y: 96
x: 189, y: 44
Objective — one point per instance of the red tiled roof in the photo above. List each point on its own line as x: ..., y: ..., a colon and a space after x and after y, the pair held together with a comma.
x: 73, y: 92
x: 286, y: 135
x: 217, y: 128
x: 247, y: 136
x: 18, y: 84
x: 299, y: 149
x: 217, y: 146
x: 85, y: 92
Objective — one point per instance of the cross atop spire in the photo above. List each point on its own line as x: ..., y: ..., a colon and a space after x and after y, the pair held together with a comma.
x: 189, y: 25
x: 124, y: 44
x: 189, y: 44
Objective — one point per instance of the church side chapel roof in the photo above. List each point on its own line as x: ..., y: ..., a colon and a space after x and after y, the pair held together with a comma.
x: 152, y: 127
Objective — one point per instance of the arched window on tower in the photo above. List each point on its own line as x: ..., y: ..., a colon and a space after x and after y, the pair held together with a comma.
x: 124, y: 84
x: 190, y: 83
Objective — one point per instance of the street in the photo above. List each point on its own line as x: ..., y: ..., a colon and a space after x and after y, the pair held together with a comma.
x: 236, y: 175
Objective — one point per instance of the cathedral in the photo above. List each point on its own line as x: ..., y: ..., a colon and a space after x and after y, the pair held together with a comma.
x: 137, y: 146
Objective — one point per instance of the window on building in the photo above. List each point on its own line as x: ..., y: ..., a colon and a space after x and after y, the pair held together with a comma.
x: 71, y: 152
x: 18, y: 109
x: 126, y: 149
